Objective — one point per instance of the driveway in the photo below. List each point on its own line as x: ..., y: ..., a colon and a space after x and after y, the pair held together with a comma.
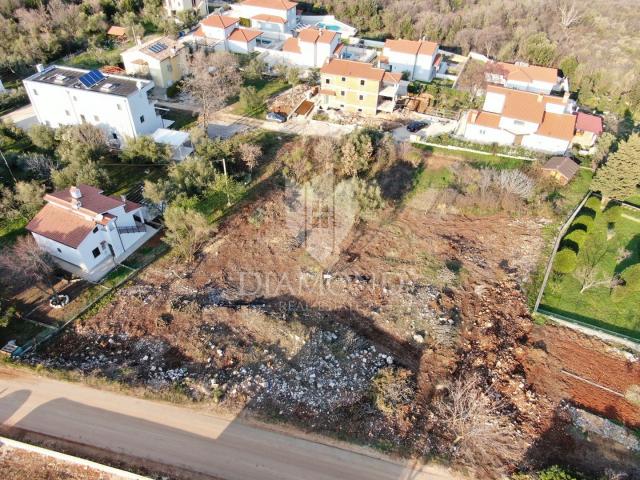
x: 192, y: 441
x: 436, y: 127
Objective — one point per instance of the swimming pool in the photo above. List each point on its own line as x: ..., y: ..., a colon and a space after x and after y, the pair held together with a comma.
x: 328, y: 26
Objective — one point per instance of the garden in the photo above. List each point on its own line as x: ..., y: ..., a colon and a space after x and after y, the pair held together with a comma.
x: 596, y: 271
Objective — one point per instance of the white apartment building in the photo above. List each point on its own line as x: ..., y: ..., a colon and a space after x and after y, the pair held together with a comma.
x: 522, y: 76
x: 270, y: 16
x: 311, y: 48
x: 532, y: 120
x: 89, y: 231
x: 419, y: 59
x: 223, y: 34
x: 173, y: 7
x: 69, y: 96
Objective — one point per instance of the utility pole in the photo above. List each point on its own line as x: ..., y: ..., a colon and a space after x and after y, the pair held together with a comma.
x: 226, y: 180
x: 8, y: 167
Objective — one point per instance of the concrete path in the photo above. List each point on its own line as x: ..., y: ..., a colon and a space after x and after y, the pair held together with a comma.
x: 23, y: 117
x: 192, y: 440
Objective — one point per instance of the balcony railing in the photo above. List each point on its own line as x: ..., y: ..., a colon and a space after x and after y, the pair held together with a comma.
x: 138, y: 228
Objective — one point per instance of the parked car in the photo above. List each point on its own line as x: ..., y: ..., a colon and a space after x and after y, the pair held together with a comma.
x: 276, y: 117
x: 414, y: 126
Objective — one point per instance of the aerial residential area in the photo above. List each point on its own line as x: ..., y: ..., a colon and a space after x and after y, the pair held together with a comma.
x: 369, y: 239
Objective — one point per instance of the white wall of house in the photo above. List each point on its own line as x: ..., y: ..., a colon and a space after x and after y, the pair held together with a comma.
x: 249, y: 11
x: 163, y: 73
x: 241, y: 47
x: 120, y: 117
x: 518, y: 127
x: 174, y: 6
x: 424, y: 67
x: 419, y: 67
x: 268, y: 27
x: 218, y: 33
x: 481, y: 134
x: 545, y: 144
x: 536, y: 86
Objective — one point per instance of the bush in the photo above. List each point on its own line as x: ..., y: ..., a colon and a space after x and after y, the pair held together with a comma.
x: 631, y: 277
x: 585, y: 220
x: 574, y: 240
x: 613, y: 212
x: 594, y: 204
x: 173, y: 90
x: 565, y: 261
x: 555, y: 473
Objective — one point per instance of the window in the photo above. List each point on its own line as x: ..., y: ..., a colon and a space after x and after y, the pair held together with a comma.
x: 342, y: 93
x: 344, y: 79
x: 95, y: 252
x: 361, y: 82
x: 67, y: 112
x: 327, y: 81
x: 483, y: 131
x: 35, y: 92
x: 342, y: 106
x: 518, y: 122
x: 119, y: 106
x: 82, y: 118
x: 361, y: 97
x: 360, y: 110
x: 75, y: 99
x: 58, y: 248
x: 169, y: 68
x: 96, y: 118
x: 141, y: 118
x: 95, y: 230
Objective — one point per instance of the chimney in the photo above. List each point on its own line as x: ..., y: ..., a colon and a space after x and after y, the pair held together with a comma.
x: 39, y: 67
x: 75, y: 192
x: 123, y: 198
x: 565, y: 97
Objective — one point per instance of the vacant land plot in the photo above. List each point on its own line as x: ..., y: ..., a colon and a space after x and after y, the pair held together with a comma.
x: 595, y: 290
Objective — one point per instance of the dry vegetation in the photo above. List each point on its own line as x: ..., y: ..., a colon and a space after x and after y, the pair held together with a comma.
x: 19, y: 465
x: 408, y: 329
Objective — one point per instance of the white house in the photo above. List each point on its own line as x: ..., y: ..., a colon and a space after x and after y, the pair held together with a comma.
x: 419, y: 59
x: 88, y: 231
x: 163, y: 59
x: 522, y: 76
x: 270, y: 16
x: 512, y: 117
x: 311, y: 48
x: 173, y: 7
x: 223, y: 33
x: 69, y: 96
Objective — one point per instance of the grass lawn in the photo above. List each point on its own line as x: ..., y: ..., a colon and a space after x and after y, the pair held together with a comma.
x: 478, y: 159
x: 182, y: 120
x: 596, y: 305
x: 95, y: 58
x: 11, y: 230
x: 265, y: 87
x: 124, y: 177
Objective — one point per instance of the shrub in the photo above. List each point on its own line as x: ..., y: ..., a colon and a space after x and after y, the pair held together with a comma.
x: 594, y: 204
x: 631, y: 277
x: 173, y: 90
x: 613, y: 212
x: 585, y: 220
x: 574, y: 240
x: 555, y: 473
x: 565, y: 261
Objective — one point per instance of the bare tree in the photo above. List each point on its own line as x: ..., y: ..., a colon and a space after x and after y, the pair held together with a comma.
x: 40, y: 165
x: 26, y: 264
x: 471, y: 418
x: 570, y: 13
x: 250, y: 154
x: 516, y: 182
x: 214, y: 79
x: 589, y: 271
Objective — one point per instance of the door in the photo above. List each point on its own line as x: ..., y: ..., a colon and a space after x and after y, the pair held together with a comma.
x: 113, y: 254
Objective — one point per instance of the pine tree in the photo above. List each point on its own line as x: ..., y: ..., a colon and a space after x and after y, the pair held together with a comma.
x: 620, y: 176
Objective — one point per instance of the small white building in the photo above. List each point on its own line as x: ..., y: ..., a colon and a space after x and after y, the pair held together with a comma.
x: 522, y: 76
x: 419, y: 59
x: 163, y: 59
x: 512, y: 117
x: 88, y: 232
x: 178, y: 141
x: 70, y: 96
x: 173, y: 7
x: 269, y: 16
x: 311, y: 48
x: 224, y: 34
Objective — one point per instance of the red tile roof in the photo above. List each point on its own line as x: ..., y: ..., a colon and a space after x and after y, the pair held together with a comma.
x: 529, y: 73
x: 244, y: 35
x: 589, y: 123
x: 219, y: 21
x: 272, y: 4
x: 92, y: 200
x: 269, y: 18
x: 390, y: 77
x: 313, y: 35
x: 413, y: 47
x: 350, y: 68
x: 484, y: 119
x: 526, y: 106
x: 557, y: 125
x: 291, y: 45
x: 61, y: 225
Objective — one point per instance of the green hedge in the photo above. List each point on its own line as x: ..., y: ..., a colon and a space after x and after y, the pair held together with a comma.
x: 574, y: 240
x: 594, y: 203
x: 565, y: 261
x: 584, y: 220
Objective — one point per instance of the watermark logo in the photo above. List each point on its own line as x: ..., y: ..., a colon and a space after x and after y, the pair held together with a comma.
x: 320, y: 214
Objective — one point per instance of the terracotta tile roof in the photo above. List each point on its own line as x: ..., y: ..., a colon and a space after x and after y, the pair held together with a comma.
x: 557, y: 125
x: 563, y: 165
x: 526, y: 106
x: 484, y: 119
x: 273, y: 4
x: 313, y: 35
x: 589, y: 123
x: 324, y: 91
x: 327, y: 36
x: 244, y: 35
x: 390, y: 77
x: 350, y: 68
x: 219, y: 21
x: 61, y: 225
x: 92, y: 200
x: 269, y: 18
x: 529, y: 73
x: 291, y: 45
x: 130, y: 206
x: 413, y: 47
x: 198, y: 32
x: 116, y: 31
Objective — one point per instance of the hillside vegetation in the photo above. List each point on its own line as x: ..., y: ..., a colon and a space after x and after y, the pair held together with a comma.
x: 595, y: 43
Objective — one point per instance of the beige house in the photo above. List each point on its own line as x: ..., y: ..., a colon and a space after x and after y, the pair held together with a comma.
x: 162, y: 59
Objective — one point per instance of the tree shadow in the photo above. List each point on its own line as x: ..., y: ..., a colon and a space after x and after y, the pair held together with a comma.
x: 634, y: 247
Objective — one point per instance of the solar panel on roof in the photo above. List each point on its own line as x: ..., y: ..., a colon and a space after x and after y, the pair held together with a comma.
x: 91, y: 78
x: 158, y: 47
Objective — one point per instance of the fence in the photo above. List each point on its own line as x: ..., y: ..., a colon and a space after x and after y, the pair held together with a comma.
x: 417, y: 139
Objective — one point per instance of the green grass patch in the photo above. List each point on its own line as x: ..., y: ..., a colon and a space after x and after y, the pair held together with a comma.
x: 612, y: 309
x: 478, y: 159
x: 95, y: 58
x: 431, y: 178
x: 125, y: 177
x: 182, y: 120
x: 11, y: 230
x: 265, y: 87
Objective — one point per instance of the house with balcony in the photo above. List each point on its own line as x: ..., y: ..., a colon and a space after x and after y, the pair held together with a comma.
x: 164, y: 60
x: 117, y: 104
x: 512, y: 117
x: 275, y: 18
x: 87, y: 232
x: 530, y: 78
x: 311, y: 48
x: 359, y: 87
x: 418, y: 59
x: 222, y: 33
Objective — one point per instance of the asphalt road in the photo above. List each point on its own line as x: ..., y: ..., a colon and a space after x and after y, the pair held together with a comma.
x: 183, y: 437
